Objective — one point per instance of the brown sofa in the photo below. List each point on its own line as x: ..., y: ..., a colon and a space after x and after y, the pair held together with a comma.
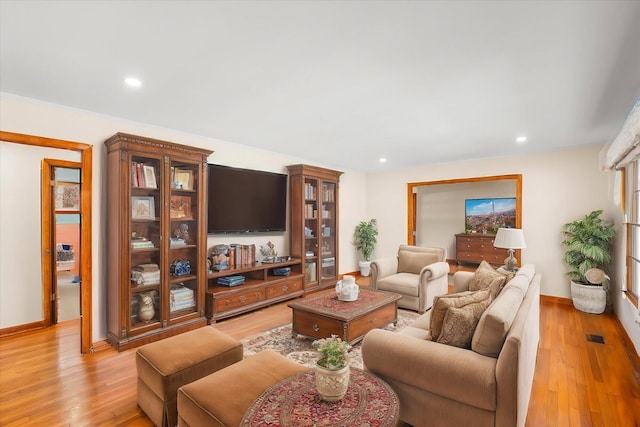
x: 442, y: 385
x: 418, y: 274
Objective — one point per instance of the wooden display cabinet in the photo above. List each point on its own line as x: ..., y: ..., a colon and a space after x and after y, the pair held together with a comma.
x: 476, y: 247
x: 156, y: 213
x: 314, y: 223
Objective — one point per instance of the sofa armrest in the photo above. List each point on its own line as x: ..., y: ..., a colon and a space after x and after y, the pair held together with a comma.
x: 381, y: 268
x: 461, y: 280
x: 434, y: 281
x: 455, y: 373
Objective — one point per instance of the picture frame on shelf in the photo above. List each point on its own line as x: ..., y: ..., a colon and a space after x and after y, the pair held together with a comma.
x: 143, y: 207
x: 180, y: 207
x: 149, y: 176
x: 183, y: 179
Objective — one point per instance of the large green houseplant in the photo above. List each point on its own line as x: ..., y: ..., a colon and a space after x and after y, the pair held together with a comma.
x: 365, y: 239
x: 588, y: 242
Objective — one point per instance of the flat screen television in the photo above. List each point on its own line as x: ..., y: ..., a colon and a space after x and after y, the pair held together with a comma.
x: 487, y: 215
x: 245, y: 200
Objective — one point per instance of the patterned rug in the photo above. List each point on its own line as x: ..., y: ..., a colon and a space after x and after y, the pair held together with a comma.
x: 299, y: 348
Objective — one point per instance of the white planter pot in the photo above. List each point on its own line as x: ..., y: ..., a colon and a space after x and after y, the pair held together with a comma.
x: 332, y: 385
x: 588, y: 298
x: 365, y: 268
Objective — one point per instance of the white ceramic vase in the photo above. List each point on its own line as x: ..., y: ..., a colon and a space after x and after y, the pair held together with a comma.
x: 365, y: 268
x: 332, y: 385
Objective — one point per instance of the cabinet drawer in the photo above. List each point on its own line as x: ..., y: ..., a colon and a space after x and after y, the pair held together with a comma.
x: 478, y: 257
x: 284, y: 288
x: 317, y: 326
x: 229, y: 302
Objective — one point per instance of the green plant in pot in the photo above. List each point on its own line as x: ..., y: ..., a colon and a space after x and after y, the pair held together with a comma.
x: 366, y: 235
x: 588, y: 242
x: 332, y: 368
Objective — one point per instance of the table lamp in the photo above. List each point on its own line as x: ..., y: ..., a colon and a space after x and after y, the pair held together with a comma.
x: 511, y: 239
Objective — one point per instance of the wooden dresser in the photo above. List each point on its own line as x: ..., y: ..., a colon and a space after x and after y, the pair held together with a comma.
x: 475, y: 248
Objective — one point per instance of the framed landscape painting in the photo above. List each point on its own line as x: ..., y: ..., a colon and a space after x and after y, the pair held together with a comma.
x: 487, y: 215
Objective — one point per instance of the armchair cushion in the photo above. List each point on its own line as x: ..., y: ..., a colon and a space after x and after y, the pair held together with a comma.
x: 460, y: 323
x: 413, y: 262
x: 442, y: 303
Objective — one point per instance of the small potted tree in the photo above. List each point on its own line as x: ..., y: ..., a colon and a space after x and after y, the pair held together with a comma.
x: 365, y: 239
x: 588, y: 243
x: 332, y: 369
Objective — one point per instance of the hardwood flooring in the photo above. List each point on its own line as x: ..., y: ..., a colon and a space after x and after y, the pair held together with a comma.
x: 44, y: 380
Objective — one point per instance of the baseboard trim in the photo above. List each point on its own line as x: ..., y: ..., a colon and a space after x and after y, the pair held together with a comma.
x: 557, y: 300
x: 20, y: 329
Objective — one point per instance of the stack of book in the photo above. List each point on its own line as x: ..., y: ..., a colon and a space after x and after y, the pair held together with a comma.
x: 241, y: 255
x: 181, y: 298
x: 177, y: 242
x: 145, y: 274
x: 231, y: 280
x: 141, y: 243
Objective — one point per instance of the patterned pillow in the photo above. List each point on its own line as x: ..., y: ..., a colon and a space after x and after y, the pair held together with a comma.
x: 486, y: 277
x: 460, y: 323
x: 442, y: 303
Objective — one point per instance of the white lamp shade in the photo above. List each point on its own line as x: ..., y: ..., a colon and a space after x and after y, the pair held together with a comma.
x: 509, y: 238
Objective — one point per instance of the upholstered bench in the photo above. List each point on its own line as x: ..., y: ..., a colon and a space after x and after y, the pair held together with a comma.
x: 221, y: 399
x: 166, y: 365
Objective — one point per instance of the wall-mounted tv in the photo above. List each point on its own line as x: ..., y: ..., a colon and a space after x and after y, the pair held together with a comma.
x: 245, y: 200
x: 487, y: 215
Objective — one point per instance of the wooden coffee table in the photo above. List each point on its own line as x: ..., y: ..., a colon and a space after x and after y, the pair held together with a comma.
x: 326, y: 315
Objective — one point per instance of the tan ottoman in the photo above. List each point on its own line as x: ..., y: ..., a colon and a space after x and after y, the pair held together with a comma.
x: 166, y: 365
x: 222, y: 398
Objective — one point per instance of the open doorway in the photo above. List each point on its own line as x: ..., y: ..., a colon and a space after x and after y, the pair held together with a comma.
x: 30, y: 306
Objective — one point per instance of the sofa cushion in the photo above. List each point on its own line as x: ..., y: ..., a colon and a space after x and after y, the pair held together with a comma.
x: 485, y: 277
x: 496, y: 321
x: 460, y: 323
x: 414, y: 262
x: 441, y: 304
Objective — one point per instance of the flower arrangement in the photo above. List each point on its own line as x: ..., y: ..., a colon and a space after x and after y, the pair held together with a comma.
x: 334, y: 353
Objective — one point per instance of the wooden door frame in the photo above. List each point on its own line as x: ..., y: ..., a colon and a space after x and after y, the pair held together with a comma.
x: 412, y: 199
x: 86, y: 159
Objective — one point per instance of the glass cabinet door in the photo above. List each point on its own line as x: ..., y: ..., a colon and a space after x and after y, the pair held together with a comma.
x: 311, y: 222
x: 145, y: 258
x: 183, y: 262
x: 328, y: 231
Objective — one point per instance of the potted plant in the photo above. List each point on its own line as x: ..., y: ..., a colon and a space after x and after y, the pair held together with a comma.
x: 588, y: 243
x: 365, y: 239
x: 332, y: 368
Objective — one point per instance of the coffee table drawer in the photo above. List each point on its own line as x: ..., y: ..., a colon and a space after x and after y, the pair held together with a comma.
x: 238, y: 300
x: 316, y: 326
x: 376, y: 319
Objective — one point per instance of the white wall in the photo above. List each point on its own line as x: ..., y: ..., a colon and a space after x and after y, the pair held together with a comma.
x: 557, y: 187
x: 33, y: 117
x: 440, y: 210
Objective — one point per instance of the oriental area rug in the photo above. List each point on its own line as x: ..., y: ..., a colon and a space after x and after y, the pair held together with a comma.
x: 299, y: 348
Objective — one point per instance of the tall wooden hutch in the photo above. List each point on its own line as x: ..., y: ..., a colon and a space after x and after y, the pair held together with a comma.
x: 314, y: 223
x: 156, y: 212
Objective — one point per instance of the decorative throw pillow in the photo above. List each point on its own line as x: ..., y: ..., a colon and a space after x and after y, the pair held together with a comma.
x: 460, y: 323
x: 414, y: 262
x: 442, y: 303
x: 486, y: 277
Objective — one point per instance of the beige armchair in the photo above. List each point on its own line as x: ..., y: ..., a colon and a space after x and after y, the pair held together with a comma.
x: 418, y: 274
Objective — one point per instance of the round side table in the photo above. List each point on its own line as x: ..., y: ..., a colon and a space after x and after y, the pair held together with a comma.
x: 294, y: 401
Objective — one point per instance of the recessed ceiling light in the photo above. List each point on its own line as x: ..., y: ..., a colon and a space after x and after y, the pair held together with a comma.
x: 382, y: 160
x: 132, y: 82
x: 521, y: 139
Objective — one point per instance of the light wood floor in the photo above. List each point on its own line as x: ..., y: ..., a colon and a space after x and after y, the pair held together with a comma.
x: 45, y: 381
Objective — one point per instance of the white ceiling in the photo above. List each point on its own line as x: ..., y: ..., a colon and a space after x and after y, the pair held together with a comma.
x: 335, y: 82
